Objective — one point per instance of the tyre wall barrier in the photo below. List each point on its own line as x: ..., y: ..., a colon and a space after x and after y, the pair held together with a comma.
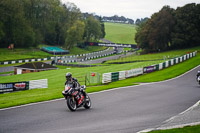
x: 115, y: 76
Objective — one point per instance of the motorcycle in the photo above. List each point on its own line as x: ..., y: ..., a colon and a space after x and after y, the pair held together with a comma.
x: 198, y: 80
x: 76, y: 99
x: 198, y: 77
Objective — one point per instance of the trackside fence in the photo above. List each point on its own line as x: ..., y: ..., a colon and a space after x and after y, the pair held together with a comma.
x: 115, y: 76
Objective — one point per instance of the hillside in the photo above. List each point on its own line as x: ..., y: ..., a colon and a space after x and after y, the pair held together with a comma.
x: 120, y: 33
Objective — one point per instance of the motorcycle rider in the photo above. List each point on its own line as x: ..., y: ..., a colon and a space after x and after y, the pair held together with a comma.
x: 75, y: 83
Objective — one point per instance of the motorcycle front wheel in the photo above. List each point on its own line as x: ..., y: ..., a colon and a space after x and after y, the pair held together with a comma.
x: 71, y: 103
x: 87, y: 102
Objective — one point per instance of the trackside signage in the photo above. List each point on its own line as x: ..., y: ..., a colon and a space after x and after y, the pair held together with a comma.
x: 112, y: 45
x: 149, y: 69
x: 6, y: 88
x: 115, y: 45
x: 25, y: 85
x: 16, y: 86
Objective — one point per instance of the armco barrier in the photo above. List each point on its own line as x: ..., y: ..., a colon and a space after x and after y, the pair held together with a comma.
x: 114, y: 76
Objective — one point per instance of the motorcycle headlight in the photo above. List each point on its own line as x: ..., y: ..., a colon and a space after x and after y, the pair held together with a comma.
x: 67, y: 88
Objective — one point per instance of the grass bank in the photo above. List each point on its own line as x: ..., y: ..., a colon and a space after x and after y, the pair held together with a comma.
x: 161, y: 75
x: 120, y: 33
x: 30, y: 53
x: 187, y: 129
x: 17, y: 54
x: 155, y: 56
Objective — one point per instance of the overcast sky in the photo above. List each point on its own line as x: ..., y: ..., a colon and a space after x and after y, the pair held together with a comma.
x: 128, y: 8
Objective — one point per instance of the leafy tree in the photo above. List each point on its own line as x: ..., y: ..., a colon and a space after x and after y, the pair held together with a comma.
x: 93, y: 30
x: 161, y: 28
x: 155, y: 34
x: 2, y: 34
x: 73, y: 14
x: 138, y: 21
x: 75, y: 34
x: 103, y: 30
x: 15, y: 25
x: 30, y: 22
x: 142, y: 20
x: 142, y: 35
x: 187, y: 30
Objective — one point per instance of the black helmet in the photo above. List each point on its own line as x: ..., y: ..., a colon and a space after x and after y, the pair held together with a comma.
x: 68, y: 76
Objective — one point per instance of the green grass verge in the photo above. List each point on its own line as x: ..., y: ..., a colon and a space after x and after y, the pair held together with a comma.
x: 18, y: 54
x: 11, y: 72
x: 174, y: 71
x: 187, y: 129
x: 120, y: 33
x: 56, y: 79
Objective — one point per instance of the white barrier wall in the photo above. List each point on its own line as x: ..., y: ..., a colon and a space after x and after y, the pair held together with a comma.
x: 43, y: 83
x: 106, y: 78
x: 134, y: 72
x: 122, y: 75
x: 114, y: 76
x: 172, y: 61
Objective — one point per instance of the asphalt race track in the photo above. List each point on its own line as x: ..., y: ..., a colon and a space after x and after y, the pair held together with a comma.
x: 124, y: 110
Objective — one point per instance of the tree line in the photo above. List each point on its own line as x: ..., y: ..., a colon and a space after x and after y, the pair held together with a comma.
x: 170, y: 29
x: 118, y: 19
x: 27, y: 23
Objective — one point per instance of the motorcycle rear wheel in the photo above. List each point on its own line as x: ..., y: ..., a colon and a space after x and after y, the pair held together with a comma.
x: 71, y: 103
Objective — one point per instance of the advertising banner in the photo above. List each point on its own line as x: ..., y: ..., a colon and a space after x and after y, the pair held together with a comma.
x: 16, y: 86
x: 111, y: 45
x: 149, y: 69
